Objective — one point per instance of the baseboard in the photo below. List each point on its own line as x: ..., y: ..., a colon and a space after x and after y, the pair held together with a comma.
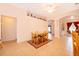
x: 15, y: 40
x: 20, y: 41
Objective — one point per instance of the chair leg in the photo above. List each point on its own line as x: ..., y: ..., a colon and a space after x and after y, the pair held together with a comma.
x: 1, y: 46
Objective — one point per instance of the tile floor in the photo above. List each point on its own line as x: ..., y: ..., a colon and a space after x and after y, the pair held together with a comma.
x: 57, y: 47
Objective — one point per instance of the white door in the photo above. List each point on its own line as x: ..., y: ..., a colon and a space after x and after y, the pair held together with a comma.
x: 8, y: 28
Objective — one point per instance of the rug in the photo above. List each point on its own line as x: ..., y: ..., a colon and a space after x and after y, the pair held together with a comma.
x: 39, y: 45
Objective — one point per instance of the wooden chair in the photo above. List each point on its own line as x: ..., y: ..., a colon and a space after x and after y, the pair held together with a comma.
x: 38, y: 38
x: 1, y: 46
x: 35, y: 38
x: 75, y: 38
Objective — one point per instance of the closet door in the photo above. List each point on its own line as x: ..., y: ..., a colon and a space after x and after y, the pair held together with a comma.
x: 8, y: 28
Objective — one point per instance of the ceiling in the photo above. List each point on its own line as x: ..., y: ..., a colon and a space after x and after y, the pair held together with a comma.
x: 41, y: 9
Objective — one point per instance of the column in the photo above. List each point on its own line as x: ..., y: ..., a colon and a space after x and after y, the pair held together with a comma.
x: 56, y: 29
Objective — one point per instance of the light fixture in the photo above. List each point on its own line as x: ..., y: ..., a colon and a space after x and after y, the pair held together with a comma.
x: 50, y: 11
x: 72, y: 17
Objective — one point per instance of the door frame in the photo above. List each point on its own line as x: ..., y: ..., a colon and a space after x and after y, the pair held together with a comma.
x: 16, y: 26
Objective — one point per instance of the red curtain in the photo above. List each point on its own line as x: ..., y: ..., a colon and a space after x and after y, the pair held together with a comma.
x: 69, y: 24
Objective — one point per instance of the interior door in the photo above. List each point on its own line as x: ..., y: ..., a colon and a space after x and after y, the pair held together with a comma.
x: 8, y: 28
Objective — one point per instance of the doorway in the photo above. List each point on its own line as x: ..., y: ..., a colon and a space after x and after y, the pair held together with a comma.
x: 8, y: 28
x: 50, y: 29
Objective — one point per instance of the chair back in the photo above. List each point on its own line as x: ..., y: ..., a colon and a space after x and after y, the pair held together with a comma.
x: 75, y: 38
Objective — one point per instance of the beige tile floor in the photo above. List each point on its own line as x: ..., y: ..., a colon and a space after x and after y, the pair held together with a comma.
x: 57, y: 47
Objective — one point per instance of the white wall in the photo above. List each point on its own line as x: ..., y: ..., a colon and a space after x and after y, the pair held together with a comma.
x: 8, y: 10
x: 33, y: 25
x: 28, y: 26
x: 56, y: 29
x: 25, y: 24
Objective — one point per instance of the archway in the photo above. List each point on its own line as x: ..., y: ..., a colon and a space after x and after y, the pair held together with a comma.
x: 50, y: 29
